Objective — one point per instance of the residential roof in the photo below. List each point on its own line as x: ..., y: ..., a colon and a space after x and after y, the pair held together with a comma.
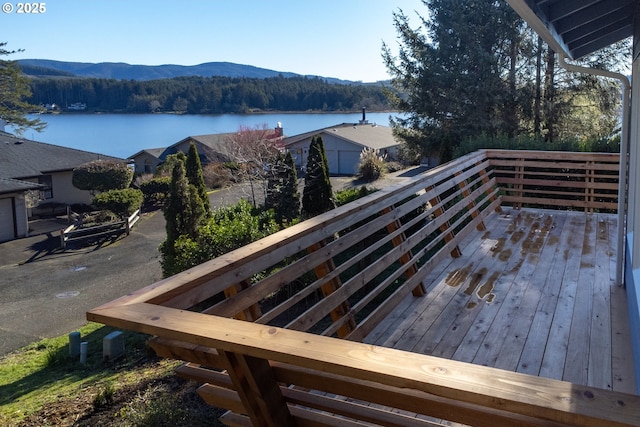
x: 578, y: 27
x: 365, y: 135
x: 8, y: 185
x: 24, y: 158
x: 210, y: 147
x: 155, y: 152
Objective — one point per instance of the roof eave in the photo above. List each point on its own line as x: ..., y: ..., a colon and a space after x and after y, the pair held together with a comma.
x: 545, y: 32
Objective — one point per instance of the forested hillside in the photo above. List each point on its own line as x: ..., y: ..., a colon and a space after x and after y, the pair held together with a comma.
x: 207, y: 94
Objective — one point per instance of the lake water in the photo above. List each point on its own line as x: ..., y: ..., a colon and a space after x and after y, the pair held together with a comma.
x: 122, y: 135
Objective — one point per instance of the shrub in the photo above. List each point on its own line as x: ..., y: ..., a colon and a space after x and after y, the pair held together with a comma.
x: 156, y: 190
x: 102, y: 175
x: 525, y: 142
x: 371, y: 165
x: 121, y: 202
x: 230, y: 228
x: 350, y: 194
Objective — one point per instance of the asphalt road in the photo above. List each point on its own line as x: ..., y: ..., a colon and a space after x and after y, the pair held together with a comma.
x: 45, y: 292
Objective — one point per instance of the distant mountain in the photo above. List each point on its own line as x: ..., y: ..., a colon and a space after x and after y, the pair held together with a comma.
x: 123, y: 71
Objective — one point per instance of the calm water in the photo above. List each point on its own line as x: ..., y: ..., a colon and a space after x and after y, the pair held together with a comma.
x: 123, y: 135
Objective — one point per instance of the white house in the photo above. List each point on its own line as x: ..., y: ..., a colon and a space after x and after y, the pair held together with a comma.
x: 27, y: 165
x: 343, y: 144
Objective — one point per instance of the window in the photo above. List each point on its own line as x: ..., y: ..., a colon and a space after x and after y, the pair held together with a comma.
x: 47, y: 191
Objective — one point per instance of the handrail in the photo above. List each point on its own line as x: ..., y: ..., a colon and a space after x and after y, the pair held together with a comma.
x: 439, y: 379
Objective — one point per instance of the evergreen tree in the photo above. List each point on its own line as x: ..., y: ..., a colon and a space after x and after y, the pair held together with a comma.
x: 474, y: 70
x: 282, y: 190
x: 453, y: 78
x: 194, y: 175
x: 14, y: 91
x: 183, y: 214
x: 317, y: 196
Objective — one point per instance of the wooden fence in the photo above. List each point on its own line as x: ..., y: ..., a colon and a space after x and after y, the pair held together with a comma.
x: 73, y: 233
x: 272, y: 328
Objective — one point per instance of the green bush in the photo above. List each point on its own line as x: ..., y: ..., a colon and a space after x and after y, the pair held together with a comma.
x: 121, y: 202
x: 156, y: 190
x: 525, y: 142
x: 102, y: 175
x: 350, y: 194
x: 230, y: 228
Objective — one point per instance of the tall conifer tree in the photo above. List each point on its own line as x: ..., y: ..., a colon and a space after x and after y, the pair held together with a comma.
x: 194, y: 175
x: 317, y: 196
x: 183, y: 214
x: 282, y: 190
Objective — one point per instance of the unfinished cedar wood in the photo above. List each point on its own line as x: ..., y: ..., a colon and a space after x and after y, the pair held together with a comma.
x: 380, y: 249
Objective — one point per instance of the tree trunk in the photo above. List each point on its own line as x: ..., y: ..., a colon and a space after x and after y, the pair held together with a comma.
x: 549, y: 97
x: 537, y: 114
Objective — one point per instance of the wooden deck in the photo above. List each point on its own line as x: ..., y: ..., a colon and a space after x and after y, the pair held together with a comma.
x: 535, y: 293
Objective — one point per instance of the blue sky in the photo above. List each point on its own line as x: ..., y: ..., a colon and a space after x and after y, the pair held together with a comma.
x: 331, y: 38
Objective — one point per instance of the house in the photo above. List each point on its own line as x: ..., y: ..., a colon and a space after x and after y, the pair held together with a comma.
x: 146, y: 161
x: 27, y: 165
x: 577, y: 29
x: 14, y: 196
x: 343, y: 144
x: 212, y: 148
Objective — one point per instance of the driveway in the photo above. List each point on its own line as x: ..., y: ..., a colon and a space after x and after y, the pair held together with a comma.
x: 45, y: 292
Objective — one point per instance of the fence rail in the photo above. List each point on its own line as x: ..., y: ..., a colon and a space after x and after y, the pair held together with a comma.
x: 260, y: 325
x: 73, y: 233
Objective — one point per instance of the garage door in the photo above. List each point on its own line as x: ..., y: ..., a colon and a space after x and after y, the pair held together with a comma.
x: 348, y: 161
x: 7, y: 220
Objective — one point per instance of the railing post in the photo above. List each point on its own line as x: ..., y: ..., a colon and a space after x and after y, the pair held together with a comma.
x: 456, y: 252
x: 519, y: 187
x: 419, y: 290
x: 330, y: 287
x: 589, y: 180
x: 472, y: 203
x: 256, y: 384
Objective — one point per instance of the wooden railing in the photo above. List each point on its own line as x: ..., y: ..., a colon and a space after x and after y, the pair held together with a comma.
x: 259, y: 325
x: 73, y: 233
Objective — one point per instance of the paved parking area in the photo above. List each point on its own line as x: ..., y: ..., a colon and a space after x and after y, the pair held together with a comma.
x: 45, y: 292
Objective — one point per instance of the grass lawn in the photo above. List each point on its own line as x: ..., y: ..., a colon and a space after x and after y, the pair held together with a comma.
x: 40, y: 385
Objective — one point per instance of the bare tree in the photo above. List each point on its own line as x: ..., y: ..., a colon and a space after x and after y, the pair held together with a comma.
x: 254, y: 149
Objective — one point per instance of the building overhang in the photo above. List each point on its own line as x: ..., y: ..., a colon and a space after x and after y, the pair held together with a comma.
x: 577, y: 28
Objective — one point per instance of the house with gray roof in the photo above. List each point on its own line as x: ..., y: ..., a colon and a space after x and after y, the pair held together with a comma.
x: 343, y: 144
x: 212, y: 148
x: 27, y: 166
x: 146, y: 161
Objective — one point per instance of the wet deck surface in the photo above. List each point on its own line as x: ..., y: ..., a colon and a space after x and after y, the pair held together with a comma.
x: 534, y: 293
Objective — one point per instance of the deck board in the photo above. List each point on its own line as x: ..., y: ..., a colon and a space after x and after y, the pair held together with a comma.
x: 534, y: 293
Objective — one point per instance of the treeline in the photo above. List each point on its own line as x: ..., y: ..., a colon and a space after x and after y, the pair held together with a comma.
x: 197, y: 95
